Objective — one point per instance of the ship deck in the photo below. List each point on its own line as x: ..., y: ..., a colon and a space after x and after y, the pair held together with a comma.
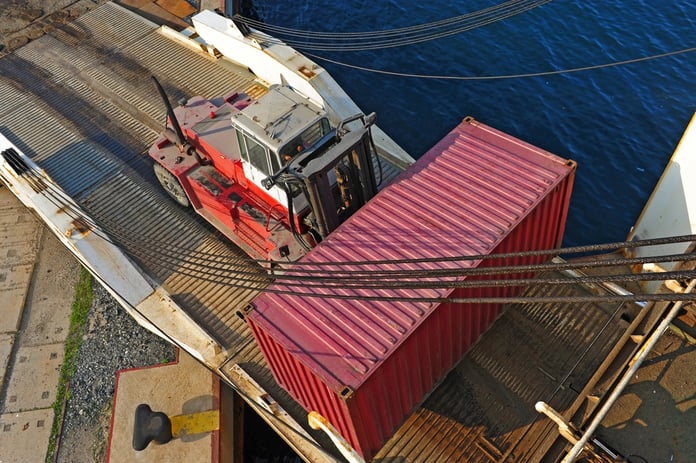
x: 79, y: 101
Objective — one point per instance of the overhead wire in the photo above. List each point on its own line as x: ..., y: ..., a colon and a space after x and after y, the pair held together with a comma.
x: 405, y: 277
x: 232, y: 278
x: 185, y: 260
x: 300, y: 286
x: 362, y: 41
x: 387, y: 32
x: 508, y: 76
x: 408, y: 279
x: 59, y: 199
x: 337, y: 269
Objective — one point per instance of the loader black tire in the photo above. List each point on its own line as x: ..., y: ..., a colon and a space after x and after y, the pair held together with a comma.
x: 171, y: 185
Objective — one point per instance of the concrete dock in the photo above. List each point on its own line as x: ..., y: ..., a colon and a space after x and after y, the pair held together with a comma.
x: 38, y: 277
x: 37, y: 286
x: 183, y: 390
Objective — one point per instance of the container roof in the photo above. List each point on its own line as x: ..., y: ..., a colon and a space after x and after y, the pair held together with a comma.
x: 460, y: 198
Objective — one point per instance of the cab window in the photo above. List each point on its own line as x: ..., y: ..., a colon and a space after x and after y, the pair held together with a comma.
x: 257, y: 155
x: 309, y: 137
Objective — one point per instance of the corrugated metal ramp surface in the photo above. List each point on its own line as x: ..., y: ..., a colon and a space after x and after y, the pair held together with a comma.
x: 484, y: 409
x: 80, y: 101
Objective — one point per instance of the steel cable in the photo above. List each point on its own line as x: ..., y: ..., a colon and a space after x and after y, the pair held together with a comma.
x: 262, y: 285
x: 451, y: 278
x: 334, y: 270
x: 204, y: 270
x: 385, y: 39
x: 509, y: 76
x: 57, y: 197
x: 380, y: 39
x: 382, y: 33
x: 63, y: 202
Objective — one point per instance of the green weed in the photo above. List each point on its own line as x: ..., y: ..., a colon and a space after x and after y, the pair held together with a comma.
x: 78, y: 317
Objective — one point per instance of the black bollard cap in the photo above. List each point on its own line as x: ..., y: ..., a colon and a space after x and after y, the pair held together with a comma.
x: 150, y: 426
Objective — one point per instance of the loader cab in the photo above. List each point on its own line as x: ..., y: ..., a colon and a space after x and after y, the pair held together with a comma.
x: 318, y: 173
x: 272, y: 131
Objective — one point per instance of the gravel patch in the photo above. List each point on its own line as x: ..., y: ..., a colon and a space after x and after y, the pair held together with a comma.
x: 112, y: 341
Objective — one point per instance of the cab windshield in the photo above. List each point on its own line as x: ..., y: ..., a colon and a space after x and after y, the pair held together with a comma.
x: 310, y: 136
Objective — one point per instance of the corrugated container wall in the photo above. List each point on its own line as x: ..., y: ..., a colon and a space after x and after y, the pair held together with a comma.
x: 365, y: 364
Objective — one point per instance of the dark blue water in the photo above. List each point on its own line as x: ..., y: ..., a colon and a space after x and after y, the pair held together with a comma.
x: 621, y: 124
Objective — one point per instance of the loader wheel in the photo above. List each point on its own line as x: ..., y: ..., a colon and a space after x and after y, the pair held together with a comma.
x: 171, y: 185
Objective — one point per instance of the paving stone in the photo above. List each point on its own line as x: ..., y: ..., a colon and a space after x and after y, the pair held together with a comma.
x: 34, y: 378
x: 48, y: 305
x: 19, y: 242
x: 14, y: 284
x: 6, y: 343
x: 24, y: 436
x: 20, y: 231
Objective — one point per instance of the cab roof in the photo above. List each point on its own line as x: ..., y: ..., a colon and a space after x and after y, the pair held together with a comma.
x: 278, y: 116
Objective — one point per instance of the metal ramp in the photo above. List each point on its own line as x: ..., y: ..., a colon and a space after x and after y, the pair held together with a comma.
x: 80, y: 102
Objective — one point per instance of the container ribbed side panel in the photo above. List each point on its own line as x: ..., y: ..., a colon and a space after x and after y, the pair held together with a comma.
x: 294, y: 377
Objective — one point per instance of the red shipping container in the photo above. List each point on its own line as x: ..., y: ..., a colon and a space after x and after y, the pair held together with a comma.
x: 365, y: 365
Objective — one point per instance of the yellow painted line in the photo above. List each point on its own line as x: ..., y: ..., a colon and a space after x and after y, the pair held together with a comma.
x: 195, y: 423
